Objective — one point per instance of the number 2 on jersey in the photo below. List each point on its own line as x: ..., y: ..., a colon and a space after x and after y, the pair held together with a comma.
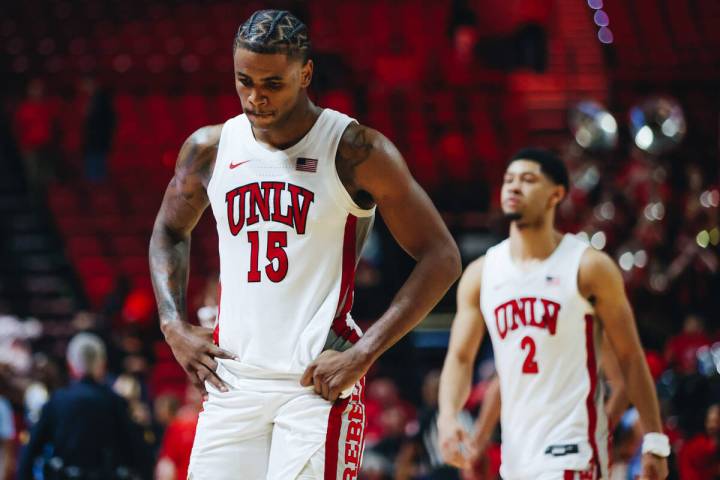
x: 276, y: 243
x: 530, y: 365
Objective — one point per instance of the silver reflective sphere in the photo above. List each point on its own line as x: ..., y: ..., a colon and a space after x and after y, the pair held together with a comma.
x: 657, y: 125
x: 593, y: 127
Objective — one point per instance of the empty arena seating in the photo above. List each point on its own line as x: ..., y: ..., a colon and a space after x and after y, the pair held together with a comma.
x: 169, y: 67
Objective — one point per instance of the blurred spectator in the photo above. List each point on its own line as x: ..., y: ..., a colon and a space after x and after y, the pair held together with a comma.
x: 99, y: 129
x: 461, y: 15
x: 165, y: 408
x: 389, y: 417
x: 113, y: 303
x: 86, y: 425
x: 35, y: 129
x: 383, y: 396
x: 700, y: 457
x: 681, y: 350
x: 174, y: 456
x: 139, y: 307
x: 424, y: 448
x: 130, y: 389
x: 7, y: 435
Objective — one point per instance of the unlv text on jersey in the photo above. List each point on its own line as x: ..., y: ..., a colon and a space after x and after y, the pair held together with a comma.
x: 260, y: 206
x: 526, y: 312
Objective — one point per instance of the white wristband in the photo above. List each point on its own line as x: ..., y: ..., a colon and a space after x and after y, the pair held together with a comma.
x: 656, y: 443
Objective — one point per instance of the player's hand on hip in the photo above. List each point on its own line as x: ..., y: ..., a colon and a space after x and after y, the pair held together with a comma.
x: 653, y: 467
x: 195, y: 351
x: 476, y: 449
x: 453, y: 439
x: 333, y: 372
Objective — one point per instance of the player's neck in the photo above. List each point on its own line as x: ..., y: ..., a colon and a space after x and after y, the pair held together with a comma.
x: 292, y: 129
x: 533, y: 243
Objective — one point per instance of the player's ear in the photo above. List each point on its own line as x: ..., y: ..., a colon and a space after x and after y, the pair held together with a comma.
x: 306, y: 73
x: 557, y: 195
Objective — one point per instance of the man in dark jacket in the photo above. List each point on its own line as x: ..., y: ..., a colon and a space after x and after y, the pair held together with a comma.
x: 84, y: 431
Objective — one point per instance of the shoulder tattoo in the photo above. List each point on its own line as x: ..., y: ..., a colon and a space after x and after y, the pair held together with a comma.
x: 354, y: 149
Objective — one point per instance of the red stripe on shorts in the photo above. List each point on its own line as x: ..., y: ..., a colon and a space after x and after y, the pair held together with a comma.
x: 362, y: 400
x: 569, y: 475
x: 332, y: 438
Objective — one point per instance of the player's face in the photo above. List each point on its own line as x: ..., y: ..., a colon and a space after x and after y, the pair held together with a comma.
x: 527, y: 193
x: 269, y: 85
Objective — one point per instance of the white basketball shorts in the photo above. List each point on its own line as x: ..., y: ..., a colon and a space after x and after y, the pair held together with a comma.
x: 277, y: 430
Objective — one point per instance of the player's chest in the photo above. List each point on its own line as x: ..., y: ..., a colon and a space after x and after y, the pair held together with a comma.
x: 277, y: 198
x: 518, y: 306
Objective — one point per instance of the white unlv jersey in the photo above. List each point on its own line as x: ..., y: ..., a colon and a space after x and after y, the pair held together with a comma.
x: 289, y: 235
x: 546, y: 342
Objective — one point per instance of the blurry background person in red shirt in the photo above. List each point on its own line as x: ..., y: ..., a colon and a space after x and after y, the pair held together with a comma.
x: 36, y: 130
x: 700, y: 457
x: 174, y: 456
x: 681, y: 350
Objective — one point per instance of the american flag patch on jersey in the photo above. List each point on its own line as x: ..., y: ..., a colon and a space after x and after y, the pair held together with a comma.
x: 550, y: 280
x: 306, y: 165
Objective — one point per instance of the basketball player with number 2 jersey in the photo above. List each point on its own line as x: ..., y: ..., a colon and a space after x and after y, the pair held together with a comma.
x: 546, y: 299
x: 294, y: 189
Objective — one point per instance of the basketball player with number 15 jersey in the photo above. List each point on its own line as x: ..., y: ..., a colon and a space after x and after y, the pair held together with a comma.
x: 546, y: 299
x: 293, y: 188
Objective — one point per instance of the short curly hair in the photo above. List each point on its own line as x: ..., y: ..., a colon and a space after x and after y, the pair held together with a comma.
x: 550, y: 164
x: 274, y: 31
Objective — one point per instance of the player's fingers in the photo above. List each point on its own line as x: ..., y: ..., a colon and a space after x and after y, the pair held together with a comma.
x: 333, y: 393
x: 457, y: 461
x: 449, y: 451
x: 317, y: 383
x: 453, y: 448
x: 208, y: 361
x: 307, y: 378
x: 218, y: 352
x: 205, y: 374
x: 466, y: 441
x: 216, y: 382
x: 197, y: 383
x: 449, y: 457
x: 325, y: 390
x: 204, y: 331
x: 648, y: 472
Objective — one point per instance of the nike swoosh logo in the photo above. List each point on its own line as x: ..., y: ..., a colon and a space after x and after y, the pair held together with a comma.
x: 235, y: 165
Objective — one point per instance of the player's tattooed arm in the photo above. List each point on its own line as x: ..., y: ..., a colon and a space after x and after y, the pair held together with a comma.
x: 184, y: 202
x: 380, y: 175
x: 354, y: 149
x: 374, y: 172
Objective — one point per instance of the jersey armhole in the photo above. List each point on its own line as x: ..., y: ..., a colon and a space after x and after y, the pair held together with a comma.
x: 342, y: 196
x: 590, y: 309
x: 215, y: 171
x: 483, y: 284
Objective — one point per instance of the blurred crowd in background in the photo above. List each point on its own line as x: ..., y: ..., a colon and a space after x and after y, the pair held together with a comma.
x: 90, y: 125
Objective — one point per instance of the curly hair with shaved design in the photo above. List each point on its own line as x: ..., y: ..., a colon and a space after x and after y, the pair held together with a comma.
x: 274, y: 31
